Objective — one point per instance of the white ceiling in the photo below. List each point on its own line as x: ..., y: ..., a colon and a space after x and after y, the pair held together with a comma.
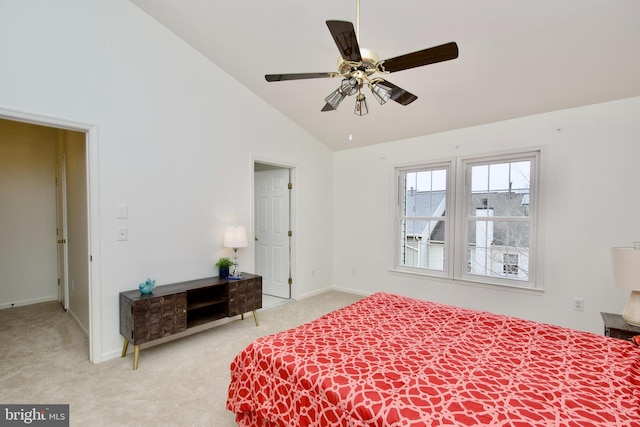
x: 517, y: 57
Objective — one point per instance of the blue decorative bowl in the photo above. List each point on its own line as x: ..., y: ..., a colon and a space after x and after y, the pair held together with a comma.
x: 147, y: 287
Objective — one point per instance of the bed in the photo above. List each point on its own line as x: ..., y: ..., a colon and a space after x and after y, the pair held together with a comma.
x: 389, y: 360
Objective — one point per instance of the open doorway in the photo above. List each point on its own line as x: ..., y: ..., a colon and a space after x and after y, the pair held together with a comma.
x: 273, y: 231
x: 47, y: 193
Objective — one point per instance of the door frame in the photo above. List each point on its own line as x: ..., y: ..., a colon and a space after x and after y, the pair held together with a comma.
x: 91, y: 142
x: 61, y: 235
x: 292, y: 213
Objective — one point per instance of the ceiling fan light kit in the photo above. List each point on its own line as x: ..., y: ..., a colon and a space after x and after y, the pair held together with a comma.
x: 334, y: 99
x: 349, y: 86
x: 381, y: 93
x: 357, y: 67
x: 361, y: 105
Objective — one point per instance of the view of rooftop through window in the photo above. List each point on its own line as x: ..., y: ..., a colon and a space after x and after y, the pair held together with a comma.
x: 498, y: 227
x: 495, y: 235
x: 422, y: 227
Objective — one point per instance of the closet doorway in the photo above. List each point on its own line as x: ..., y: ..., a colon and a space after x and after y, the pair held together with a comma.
x: 44, y: 177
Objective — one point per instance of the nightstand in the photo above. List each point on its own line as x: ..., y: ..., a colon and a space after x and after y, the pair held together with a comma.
x: 616, y: 327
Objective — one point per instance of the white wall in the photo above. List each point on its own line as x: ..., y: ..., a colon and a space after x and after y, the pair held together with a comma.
x: 28, y: 269
x: 590, y: 203
x: 176, y: 140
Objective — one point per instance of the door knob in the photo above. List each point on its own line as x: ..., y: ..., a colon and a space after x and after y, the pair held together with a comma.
x: 255, y: 238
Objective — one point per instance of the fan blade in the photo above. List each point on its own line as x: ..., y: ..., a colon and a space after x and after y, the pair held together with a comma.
x: 327, y: 107
x: 345, y: 37
x: 428, y: 56
x: 297, y: 76
x: 398, y: 94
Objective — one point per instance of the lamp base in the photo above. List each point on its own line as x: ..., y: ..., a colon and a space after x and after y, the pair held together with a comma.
x: 631, y: 312
x: 236, y: 270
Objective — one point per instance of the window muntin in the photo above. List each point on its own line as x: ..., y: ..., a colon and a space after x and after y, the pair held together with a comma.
x: 491, y: 183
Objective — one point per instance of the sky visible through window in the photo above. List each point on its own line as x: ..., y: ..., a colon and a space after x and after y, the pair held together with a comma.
x: 514, y: 176
x: 427, y: 180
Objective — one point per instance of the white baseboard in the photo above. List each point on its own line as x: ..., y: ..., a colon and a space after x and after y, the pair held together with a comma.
x: 313, y: 293
x: 351, y: 291
x: 112, y: 354
x: 28, y: 302
x: 82, y: 328
x: 333, y: 288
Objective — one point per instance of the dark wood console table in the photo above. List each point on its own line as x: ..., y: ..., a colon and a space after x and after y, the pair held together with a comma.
x: 171, y: 309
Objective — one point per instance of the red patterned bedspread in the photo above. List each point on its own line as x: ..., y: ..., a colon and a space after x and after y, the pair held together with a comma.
x: 389, y: 360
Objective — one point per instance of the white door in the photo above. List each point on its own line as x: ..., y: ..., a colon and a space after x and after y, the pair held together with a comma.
x: 61, y: 235
x: 272, y: 241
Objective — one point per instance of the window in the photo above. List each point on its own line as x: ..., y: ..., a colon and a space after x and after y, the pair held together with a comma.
x: 423, y: 217
x: 479, y: 227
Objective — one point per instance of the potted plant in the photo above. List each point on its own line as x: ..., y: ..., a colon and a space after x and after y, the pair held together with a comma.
x: 223, y: 265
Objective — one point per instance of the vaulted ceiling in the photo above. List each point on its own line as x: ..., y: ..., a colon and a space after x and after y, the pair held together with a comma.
x: 516, y: 58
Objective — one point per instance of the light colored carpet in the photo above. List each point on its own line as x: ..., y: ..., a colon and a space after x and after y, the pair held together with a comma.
x: 44, y: 360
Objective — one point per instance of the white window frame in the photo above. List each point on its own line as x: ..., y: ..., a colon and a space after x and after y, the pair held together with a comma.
x: 448, y: 219
x: 456, y: 234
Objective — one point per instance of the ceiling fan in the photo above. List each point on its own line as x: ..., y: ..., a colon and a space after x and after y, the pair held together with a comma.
x: 357, y: 67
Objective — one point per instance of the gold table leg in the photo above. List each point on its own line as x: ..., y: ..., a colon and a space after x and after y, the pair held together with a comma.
x: 136, y: 353
x: 136, y: 356
x: 255, y: 317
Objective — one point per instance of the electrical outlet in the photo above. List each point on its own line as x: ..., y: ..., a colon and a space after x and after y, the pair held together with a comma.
x: 578, y: 304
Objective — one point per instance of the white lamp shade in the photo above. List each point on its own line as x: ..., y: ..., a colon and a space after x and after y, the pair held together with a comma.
x: 626, y: 268
x: 235, y: 236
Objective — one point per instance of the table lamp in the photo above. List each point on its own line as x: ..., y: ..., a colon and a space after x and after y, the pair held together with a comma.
x: 626, y: 275
x: 235, y: 236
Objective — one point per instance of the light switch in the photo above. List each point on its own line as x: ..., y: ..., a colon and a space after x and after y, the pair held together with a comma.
x: 123, y: 212
x: 123, y: 233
